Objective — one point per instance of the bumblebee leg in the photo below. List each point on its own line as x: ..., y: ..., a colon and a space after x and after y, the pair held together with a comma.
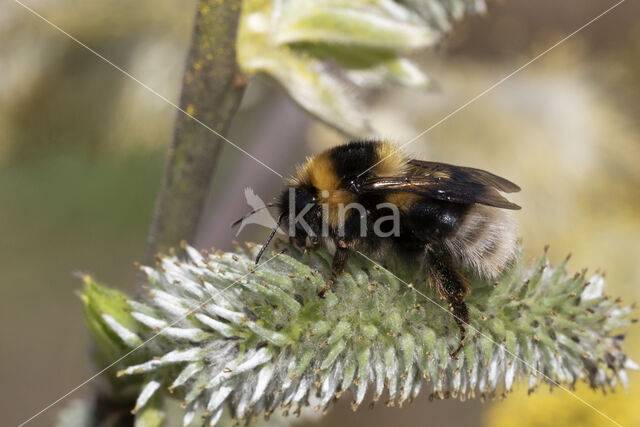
x: 461, y: 315
x: 452, y: 287
x: 337, y: 266
x: 312, y: 243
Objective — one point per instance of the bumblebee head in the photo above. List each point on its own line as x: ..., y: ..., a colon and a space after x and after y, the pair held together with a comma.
x: 301, y: 213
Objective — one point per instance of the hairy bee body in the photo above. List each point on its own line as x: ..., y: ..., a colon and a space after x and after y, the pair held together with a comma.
x: 485, y: 240
x: 368, y: 196
x: 478, y: 238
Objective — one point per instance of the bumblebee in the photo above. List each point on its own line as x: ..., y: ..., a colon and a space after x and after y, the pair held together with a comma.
x: 369, y: 196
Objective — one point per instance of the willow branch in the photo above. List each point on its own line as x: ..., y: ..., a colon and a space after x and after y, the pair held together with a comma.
x: 212, y: 88
x: 211, y: 94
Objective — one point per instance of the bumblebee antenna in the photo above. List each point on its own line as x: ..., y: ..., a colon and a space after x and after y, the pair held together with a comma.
x: 273, y: 233
x: 268, y: 205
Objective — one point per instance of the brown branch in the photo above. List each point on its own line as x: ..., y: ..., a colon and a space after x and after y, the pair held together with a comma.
x: 211, y: 91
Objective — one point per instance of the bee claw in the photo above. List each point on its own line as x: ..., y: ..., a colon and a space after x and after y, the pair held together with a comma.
x: 454, y: 354
x: 325, y: 289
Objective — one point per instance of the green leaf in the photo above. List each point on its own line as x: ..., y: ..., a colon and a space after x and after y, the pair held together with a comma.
x: 327, y: 53
x: 357, y: 24
x: 368, y: 67
x: 324, y: 95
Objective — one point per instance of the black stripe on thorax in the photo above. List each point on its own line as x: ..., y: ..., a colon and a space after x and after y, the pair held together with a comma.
x: 353, y: 158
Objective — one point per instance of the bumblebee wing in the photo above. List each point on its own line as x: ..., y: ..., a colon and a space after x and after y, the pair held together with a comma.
x: 436, y: 187
x: 462, y: 174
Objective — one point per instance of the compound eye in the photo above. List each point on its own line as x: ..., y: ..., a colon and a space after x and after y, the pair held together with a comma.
x: 351, y: 183
x: 304, y: 197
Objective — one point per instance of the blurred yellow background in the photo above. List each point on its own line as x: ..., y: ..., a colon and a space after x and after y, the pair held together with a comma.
x: 82, y: 150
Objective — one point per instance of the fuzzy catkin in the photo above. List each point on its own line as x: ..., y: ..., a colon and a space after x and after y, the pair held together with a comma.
x: 257, y: 338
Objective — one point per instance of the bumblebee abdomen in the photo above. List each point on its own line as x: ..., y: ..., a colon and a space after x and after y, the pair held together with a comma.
x: 484, y: 240
x: 432, y: 220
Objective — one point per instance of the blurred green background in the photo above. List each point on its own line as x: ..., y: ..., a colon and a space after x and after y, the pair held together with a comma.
x: 82, y: 151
